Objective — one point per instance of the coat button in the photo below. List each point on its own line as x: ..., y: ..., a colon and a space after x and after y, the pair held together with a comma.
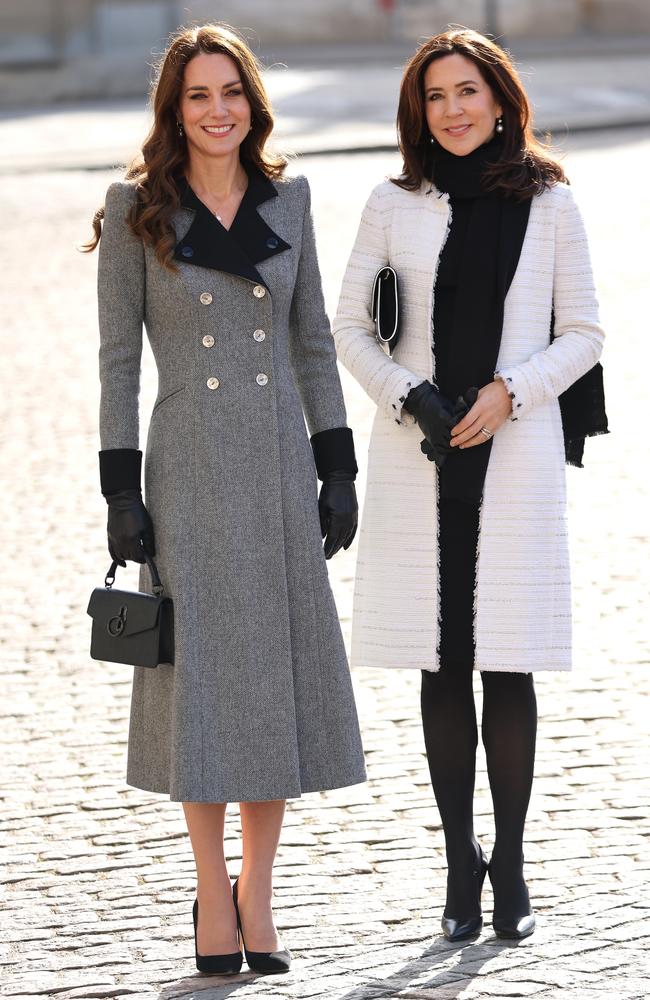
x: 213, y: 383
x: 259, y: 336
x: 259, y: 291
x: 208, y: 340
x: 205, y: 299
x: 273, y: 242
x: 187, y: 252
x: 262, y: 379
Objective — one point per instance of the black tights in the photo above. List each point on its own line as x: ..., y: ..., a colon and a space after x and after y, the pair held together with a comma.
x: 508, y: 730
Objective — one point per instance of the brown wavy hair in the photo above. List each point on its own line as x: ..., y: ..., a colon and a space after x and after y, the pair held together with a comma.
x: 164, y: 152
x: 526, y: 166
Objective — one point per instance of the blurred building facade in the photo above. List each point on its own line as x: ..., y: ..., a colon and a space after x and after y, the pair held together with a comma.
x: 68, y: 49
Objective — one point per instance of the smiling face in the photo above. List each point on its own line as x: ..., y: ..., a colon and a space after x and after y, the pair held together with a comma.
x: 460, y: 106
x: 213, y: 107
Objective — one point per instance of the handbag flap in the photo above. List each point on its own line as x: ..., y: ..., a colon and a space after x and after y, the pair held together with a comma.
x: 124, y: 612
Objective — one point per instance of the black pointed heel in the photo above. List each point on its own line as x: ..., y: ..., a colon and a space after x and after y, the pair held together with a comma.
x: 264, y: 962
x: 513, y: 927
x: 455, y: 929
x: 215, y: 965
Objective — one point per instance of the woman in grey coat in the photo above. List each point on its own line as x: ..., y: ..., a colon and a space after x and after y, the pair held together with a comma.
x: 209, y: 245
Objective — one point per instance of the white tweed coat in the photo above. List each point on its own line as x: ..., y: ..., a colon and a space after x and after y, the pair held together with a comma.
x: 522, y: 619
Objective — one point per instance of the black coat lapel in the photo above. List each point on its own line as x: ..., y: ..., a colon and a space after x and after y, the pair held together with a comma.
x: 249, y: 240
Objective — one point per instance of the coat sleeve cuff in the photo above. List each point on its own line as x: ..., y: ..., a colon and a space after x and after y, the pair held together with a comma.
x: 516, y: 392
x: 119, y: 469
x: 399, y: 412
x: 334, y: 450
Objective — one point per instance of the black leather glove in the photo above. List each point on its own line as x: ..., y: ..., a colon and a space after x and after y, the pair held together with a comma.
x: 462, y: 406
x: 339, y: 511
x: 435, y: 416
x: 129, y: 524
x: 129, y: 527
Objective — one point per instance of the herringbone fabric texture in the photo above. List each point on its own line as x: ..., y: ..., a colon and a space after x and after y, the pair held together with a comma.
x: 259, y: 703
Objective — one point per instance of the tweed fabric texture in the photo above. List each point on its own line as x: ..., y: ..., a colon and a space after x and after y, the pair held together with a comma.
x: 522, y: 601
x: 259, y: 703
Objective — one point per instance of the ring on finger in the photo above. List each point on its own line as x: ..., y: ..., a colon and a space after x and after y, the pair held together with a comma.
x: 486, y: 433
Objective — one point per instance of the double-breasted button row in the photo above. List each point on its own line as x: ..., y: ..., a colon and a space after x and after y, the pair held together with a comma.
x: 208, y: 340
x: 261, y: 379
x: 205, y: 298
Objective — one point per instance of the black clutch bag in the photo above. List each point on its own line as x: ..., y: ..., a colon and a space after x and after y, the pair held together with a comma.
x: 384, y: 307
x: 131, y: 627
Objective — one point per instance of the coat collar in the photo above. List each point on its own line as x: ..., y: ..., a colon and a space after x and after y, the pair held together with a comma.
x: 249, y: 240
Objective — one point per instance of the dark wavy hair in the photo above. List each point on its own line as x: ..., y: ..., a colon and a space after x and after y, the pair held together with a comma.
x: 526, y: 166
x: 164, y: 152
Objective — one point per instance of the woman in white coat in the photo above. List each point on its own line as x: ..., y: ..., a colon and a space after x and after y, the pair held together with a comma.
x: 463, y: 558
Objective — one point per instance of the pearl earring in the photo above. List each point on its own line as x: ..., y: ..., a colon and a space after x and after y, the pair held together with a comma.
x: 432, y: 140
x: 499, y: 125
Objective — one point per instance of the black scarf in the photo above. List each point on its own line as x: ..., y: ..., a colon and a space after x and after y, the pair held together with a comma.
x: 485, y: 253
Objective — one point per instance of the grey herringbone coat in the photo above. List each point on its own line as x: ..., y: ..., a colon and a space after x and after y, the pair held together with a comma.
x: 259, y: 703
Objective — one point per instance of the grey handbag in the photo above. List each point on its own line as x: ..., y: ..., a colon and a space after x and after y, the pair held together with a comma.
x: 129, y: 626
x: 384, y: 307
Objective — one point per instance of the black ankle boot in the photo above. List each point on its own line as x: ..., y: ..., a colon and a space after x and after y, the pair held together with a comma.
x: 512, y: 915
x: 265, y: 962
x: 215, y: 965
x: 463, y: 926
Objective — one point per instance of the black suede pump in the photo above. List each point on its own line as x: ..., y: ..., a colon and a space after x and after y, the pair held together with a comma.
x: 265, y: 962
x: 215, y: 965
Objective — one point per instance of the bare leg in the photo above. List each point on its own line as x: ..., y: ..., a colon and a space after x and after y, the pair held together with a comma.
x: 261, y: 824
x: 217, y: 926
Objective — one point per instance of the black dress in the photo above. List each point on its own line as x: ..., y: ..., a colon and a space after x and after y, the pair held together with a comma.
x: 458, y: 520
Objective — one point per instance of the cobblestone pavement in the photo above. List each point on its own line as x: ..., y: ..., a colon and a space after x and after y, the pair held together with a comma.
x: 97, y: 878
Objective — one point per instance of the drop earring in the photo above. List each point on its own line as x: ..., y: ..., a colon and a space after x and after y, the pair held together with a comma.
x: 499, y: 125
x: 432, y: 140
x: 181, y: 130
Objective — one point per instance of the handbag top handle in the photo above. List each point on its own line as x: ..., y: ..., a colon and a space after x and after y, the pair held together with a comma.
x: 157, y: 586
